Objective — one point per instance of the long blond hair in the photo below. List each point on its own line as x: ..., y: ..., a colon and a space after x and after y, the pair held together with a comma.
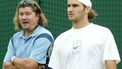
x: 35, y: 7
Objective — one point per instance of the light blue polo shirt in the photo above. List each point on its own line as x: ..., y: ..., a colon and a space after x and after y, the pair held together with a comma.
x: 34, y: 47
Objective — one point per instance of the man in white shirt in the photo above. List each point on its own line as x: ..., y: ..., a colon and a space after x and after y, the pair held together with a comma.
x: 85, y: 45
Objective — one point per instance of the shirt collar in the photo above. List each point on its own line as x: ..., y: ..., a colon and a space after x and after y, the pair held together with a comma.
x: 35, y: 32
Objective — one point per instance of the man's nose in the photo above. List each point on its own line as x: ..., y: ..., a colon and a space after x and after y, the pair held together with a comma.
x: 24, y: 16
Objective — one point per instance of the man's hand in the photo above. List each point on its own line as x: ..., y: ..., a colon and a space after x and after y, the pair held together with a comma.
x: 40, y: 66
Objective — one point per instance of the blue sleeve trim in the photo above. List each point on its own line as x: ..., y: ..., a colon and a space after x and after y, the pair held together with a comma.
x: 45, y: 35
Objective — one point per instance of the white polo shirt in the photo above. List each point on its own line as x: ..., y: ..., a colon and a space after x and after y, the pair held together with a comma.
x: 85, y: 48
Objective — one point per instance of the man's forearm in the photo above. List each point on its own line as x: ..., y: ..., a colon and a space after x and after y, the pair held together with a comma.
x: 110, y: 64
x: 8, y: 65
x: 25, y: 63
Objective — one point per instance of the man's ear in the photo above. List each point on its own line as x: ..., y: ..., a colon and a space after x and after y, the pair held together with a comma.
x: 87, y: 9
x: 37, y: 16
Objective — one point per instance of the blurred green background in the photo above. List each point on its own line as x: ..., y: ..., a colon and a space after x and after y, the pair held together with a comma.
x: 109, y: 15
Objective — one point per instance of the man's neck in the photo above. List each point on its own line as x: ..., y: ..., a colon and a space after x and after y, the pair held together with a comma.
x: 80, y: 24
x: 28, y: 33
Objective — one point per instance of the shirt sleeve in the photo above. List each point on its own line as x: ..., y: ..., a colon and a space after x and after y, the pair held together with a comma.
x: 110, y: 50
x: 39, y: 50
x: 10, y: 51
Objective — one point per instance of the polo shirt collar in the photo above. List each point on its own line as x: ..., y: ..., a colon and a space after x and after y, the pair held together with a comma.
x: 35, y: 32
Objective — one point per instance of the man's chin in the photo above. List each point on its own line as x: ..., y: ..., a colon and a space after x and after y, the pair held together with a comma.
x: 71, y: 19
x: 25, y: 28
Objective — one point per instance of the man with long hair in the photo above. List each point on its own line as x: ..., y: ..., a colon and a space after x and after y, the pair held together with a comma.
x: 27, y: 49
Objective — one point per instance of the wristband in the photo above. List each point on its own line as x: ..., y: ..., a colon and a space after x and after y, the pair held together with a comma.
x: 12, y: 59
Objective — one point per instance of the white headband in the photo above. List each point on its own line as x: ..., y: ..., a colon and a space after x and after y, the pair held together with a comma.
x: 86, y: 2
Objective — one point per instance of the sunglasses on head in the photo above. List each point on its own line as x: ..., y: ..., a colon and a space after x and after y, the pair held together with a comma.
x: 26, y: 2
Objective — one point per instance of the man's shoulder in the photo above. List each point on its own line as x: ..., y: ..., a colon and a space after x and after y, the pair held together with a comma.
x: 64, y: 34
x: 17, y: 34
x: 44, y: 30
x: 100, y: 27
